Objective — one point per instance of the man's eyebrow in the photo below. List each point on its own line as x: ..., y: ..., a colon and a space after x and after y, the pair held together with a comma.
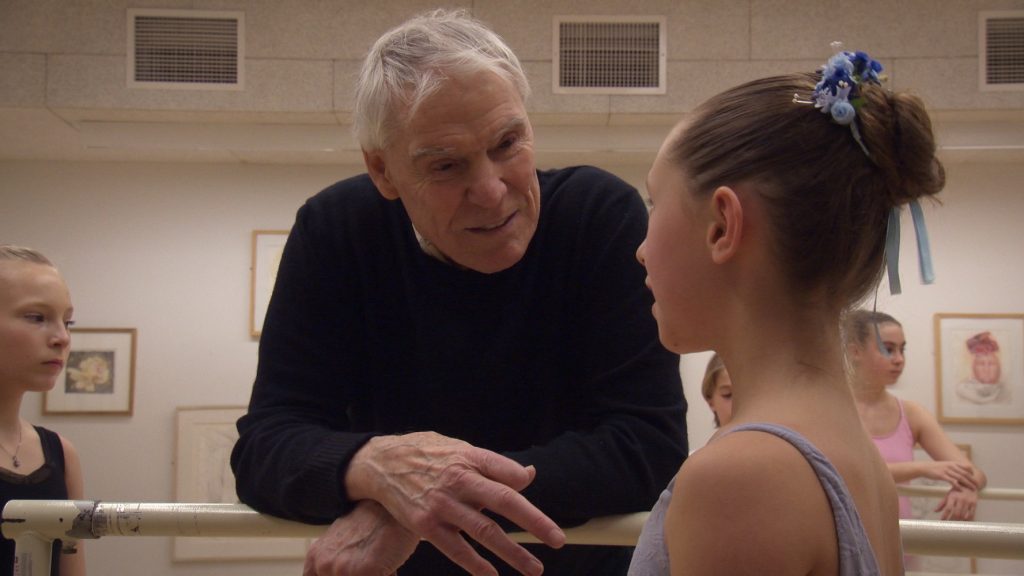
x: 431, y: 151
x: 513, y: 125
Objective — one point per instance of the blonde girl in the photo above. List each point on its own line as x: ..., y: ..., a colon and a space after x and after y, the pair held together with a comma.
x: 35, y: 463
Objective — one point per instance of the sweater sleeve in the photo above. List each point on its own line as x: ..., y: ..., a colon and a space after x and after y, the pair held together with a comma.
x: 628, y: 438
x: 295, y: 440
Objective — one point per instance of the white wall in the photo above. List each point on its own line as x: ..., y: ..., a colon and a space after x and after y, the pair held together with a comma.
x: 166, y: 249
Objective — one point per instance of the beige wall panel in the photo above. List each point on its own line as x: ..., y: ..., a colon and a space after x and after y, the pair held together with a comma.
x: 346, y: 74
x: 270, y: 85
x: 22, y: 80
x: 340, y: 29
x: 67, y: 26
x: 91, y: 27
x: 709, y: 30
x: 35, y: 134
x: 951, y: 84
x: 690, y: 83
x: 784, y: 29
x: 28, y: 26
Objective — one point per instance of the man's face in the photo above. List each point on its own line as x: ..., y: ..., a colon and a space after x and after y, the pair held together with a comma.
x: 464, y: 170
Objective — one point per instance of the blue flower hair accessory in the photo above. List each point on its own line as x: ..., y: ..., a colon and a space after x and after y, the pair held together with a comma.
x: 838, y: 91
x: 838, y: 94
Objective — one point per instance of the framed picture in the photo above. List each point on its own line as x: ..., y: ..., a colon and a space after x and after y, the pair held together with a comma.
x: 923, y: 508
x: 267, y: 247
x: 99, y: 377
x: 204, y: 439
x: 979, y: 368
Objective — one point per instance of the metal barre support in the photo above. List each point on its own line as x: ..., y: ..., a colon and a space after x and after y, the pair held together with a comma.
x: 35, y: 524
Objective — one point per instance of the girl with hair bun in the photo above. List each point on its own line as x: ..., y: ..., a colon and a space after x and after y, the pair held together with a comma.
x: 771, y: 207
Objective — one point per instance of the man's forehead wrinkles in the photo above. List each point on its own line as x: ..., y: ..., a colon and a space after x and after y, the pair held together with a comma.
x: 515, y: 123
x: 428, y: 151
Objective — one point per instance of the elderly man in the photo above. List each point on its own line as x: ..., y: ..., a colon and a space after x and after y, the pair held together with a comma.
x: 459, y: 344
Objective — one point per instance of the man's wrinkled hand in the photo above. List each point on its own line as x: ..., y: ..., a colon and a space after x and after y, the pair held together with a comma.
x: 437, y: 488
x: 366, y: 542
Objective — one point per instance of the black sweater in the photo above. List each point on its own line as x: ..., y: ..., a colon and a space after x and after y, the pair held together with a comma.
x: 554, y: 362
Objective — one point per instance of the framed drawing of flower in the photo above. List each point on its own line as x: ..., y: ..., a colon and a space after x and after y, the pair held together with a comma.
x: 99, y: 376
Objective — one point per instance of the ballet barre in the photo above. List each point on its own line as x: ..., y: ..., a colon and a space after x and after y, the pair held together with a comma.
x: 35, y: 524
x: 940, y: 491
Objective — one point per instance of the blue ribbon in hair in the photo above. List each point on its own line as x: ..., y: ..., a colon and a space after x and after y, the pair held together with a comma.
x: 892, y: 247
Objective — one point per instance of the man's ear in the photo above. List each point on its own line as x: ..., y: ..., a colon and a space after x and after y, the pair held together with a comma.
x: 376, y: 167
x: 725, y: 232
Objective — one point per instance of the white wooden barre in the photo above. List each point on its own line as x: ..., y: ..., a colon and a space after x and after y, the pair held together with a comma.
x: 940, y: 491
x: 35, y: 524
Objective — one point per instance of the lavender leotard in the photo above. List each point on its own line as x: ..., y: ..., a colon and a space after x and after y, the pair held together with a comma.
x: 856, y: 557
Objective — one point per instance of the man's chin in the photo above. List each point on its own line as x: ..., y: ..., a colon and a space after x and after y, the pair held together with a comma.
x: 492, y: 263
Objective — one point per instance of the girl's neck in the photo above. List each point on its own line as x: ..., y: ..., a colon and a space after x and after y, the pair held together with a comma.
x: 784, y: 362
x: 865, y: 392
x: 10, y: 416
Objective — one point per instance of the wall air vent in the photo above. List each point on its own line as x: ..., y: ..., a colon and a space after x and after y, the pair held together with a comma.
x: 609, y: 55
x: 190, y: 49
x: 1001, y: 35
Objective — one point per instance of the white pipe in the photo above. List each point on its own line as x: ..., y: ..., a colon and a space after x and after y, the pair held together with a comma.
x: 34, y: 524
x: 940, y: 491
x: 947, y: 538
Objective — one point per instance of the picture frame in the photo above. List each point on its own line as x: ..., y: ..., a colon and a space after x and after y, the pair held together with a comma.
x: 267, y: 248
x: 204, y: 438
x: 979, y: 368
x: 99, y: 375
x: 923, y: 508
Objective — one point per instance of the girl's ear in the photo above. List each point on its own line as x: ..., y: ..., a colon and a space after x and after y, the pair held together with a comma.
x: 376, y: 167
x: 725, y: 232
x: 854, y: 352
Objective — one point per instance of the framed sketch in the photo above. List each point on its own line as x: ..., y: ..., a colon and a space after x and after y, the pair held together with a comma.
x: 204, y: 439
x: 979, y: 367
x: 267, y: 247
x: 923, y: 508
x: 99, y: 377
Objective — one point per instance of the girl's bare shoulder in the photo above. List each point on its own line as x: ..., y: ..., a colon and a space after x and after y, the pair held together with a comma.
x: 756, y: 489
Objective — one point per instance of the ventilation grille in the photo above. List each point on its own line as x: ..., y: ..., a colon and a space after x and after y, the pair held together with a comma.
x: 609, y: 55
x: 185, y: 49
x: 1002, y: 50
